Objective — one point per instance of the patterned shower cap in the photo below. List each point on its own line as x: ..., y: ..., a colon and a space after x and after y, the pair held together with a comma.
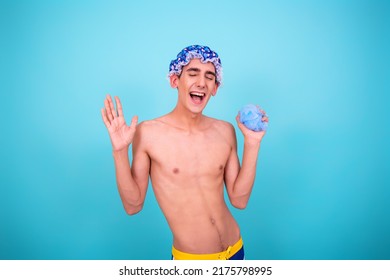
x: 196, y: 51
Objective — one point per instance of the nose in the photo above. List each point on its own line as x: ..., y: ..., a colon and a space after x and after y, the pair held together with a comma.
x: 201, y: 81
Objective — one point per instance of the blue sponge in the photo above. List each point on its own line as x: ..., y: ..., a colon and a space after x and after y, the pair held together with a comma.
x: 251, y: 116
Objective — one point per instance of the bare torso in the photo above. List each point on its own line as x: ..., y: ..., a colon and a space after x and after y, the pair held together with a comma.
x: 187, y: 172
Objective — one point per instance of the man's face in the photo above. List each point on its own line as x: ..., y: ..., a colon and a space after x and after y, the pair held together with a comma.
x: 196, y: 84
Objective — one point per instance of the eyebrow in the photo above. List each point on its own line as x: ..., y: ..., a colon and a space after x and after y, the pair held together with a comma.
x: 198, y: 70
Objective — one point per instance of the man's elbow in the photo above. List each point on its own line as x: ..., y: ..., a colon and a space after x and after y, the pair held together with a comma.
x: 132, y: 210
x: 240, y: 203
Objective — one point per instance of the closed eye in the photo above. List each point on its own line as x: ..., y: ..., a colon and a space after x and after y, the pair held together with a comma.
x: 210, y: 75
x: 193, y: 71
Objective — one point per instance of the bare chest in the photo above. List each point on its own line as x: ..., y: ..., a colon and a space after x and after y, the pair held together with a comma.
x: 190, y: 155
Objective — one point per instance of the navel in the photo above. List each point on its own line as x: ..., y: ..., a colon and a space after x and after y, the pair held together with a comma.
x: 221, y: 167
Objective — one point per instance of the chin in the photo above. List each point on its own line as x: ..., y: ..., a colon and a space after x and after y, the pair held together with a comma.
x: 196, y: 111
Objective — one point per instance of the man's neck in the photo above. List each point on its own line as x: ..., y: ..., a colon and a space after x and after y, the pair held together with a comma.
x: 187, y: 120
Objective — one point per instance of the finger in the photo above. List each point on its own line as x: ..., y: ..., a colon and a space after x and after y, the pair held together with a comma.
x: 262, y: 111
x: 105, y: 119
x: 113, y: 112
x: 108, y: 110
x: 238, y: 118
x: 119, y: 106
x: 241, y: 126
x: 134, y: 121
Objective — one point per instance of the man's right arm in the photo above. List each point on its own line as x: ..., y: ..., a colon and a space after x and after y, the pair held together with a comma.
x: 132, y: 184
x: 132, y: 181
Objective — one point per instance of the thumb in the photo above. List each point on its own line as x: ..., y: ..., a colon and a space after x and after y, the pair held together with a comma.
x: 134, y: 121
x: 239, y: 123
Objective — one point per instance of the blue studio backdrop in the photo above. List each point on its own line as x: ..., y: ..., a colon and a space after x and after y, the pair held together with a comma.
x: 319, y: 68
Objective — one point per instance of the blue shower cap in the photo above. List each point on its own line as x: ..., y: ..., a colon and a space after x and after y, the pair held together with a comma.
x: 204, y: 53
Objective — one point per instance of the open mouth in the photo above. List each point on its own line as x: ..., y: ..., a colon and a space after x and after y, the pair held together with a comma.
x: 197, y: 97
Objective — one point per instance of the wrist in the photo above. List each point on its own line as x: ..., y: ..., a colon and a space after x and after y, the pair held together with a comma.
x: 120, y: 152
x: 252, y: 142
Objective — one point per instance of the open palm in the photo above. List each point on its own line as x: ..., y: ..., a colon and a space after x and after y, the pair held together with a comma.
x: 121, y: 135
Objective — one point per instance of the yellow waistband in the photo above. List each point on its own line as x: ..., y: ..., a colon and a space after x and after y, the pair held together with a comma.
x: 225, y: 255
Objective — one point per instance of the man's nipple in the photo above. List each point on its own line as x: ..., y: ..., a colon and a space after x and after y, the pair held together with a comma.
x: 175, y: 170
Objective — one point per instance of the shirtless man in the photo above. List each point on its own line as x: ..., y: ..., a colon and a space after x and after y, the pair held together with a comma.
x: 190, y: 158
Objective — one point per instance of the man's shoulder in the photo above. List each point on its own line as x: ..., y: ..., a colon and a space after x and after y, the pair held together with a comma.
x: 148, y: 126
x: 146, y: 134
x: 221, y: 130
x: 221, y: 124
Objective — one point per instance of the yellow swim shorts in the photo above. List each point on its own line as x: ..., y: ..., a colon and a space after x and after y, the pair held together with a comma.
x: 225, y: 255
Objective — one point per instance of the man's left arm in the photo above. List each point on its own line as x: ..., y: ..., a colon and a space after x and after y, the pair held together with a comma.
x: 239, y: 180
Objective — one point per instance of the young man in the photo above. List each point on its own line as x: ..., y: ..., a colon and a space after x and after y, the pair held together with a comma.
x: 189, y: 158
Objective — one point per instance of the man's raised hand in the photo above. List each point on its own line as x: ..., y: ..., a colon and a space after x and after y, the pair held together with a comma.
x: 249, y: 135
x: 121, y: 135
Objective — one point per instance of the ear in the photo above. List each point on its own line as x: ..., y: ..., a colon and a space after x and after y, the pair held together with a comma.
x: 174, y: 80
x: 214, y: 91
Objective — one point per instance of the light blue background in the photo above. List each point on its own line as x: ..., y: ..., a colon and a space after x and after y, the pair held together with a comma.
x: 319, y: 68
